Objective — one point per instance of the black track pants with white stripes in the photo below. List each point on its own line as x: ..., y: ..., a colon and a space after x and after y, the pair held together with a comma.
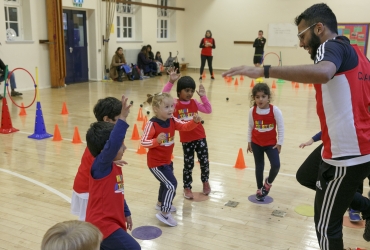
x: 168, y: 185
x: 335, y: 190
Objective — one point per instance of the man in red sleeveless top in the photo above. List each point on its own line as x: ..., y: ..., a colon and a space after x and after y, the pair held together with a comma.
x: 341, y: 73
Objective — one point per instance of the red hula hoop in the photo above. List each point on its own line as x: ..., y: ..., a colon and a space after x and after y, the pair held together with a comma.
x: 273, y: 54
x: 7, y: 87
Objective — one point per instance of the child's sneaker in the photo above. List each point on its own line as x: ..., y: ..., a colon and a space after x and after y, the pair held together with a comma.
x: 206, y: 188
x: 354, y: 216
x: 259, y: 195
x: 188, y: 194
x: 173, y: 208
x: 167, y: 219
x: 266, y: 188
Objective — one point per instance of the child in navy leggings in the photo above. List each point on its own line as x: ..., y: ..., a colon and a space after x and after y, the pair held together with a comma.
x: 263, y: 119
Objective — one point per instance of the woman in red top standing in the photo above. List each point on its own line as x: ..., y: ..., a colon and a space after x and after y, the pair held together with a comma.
x: 207, y: 44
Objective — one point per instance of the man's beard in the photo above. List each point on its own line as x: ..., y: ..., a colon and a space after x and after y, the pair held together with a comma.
x: 314, y: 44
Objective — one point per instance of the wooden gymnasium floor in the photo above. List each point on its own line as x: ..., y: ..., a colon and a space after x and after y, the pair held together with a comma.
x: 37, y: 176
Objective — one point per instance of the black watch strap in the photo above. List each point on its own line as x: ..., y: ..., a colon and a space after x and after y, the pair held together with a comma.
x: 267, y: 70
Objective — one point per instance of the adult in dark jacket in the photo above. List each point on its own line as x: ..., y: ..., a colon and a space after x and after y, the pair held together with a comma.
x: 259, y: 45
x: 147, y: 65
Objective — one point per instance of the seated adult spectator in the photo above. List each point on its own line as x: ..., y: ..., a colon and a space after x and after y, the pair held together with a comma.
x: 13, y: 85
x: 118, y: 66
x: 148, y: 66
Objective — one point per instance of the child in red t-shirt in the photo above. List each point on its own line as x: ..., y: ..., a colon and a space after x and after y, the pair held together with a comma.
x: 105, y: 207
x: 108, y: 110
x: 195, y: 140
x: 159, y: 136
x: 263, y: 119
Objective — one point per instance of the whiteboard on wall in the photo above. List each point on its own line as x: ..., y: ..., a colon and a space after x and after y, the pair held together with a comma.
x: 282, y: 35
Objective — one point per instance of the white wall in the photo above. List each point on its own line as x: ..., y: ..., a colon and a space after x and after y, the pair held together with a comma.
x: 27, y: 55
x: 240, y: 20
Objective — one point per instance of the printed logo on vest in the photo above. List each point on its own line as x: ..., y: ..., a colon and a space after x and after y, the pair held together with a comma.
x: 119, y: 187
x: 258, y: 125
x: 185, y: 115
x: 168, y: 141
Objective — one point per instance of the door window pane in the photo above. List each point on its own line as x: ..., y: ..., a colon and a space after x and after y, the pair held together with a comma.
x: 78, y: 30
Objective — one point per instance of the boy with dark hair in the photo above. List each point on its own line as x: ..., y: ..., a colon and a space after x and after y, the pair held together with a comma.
x: 106, y: 110
x: 106, y: 187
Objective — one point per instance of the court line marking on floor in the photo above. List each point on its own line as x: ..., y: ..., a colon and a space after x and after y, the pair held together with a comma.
x: 53, y: 190
x: 179, y: 157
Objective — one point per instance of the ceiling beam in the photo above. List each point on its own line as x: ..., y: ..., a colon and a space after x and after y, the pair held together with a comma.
x: 149, y: 5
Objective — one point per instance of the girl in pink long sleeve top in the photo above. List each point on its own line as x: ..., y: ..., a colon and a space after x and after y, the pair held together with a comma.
x: 194, y: 140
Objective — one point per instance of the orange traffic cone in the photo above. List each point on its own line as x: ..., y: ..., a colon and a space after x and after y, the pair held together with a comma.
x: 273, y: 84
x: 252, y: 84
x: 236, y: 82
x: 296, y: 85
x: 141, y: 150
x: 240, y: 163
x: 76, y: 136
x: 64, y: 109
x: 57, y: 136
x: 23, y: 110
x: 140, y: 115
x: 144, y: 123
x: 241, y: 78
x: 135, y: 134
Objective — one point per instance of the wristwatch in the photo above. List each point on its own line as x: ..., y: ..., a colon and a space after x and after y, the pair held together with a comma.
x: 266, y: 69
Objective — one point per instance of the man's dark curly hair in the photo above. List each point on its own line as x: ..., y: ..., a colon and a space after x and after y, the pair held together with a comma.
x: 319, y: 13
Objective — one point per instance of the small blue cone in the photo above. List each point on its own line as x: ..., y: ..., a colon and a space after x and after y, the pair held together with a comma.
x: 40, y: 130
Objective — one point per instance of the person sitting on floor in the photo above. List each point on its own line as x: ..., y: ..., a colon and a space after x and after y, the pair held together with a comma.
x: 13, y: 85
